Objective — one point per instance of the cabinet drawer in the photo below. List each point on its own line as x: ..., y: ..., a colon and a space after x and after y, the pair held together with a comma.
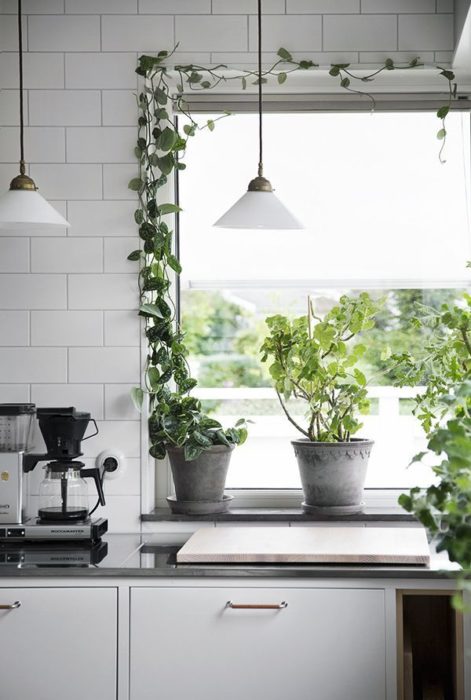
x: 327, y: 644
x: 60, y: 643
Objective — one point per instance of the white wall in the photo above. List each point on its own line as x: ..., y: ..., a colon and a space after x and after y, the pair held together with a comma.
x: 68, y: 329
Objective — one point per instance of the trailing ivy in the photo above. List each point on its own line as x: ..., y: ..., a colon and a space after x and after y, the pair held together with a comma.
x: 175, y: 417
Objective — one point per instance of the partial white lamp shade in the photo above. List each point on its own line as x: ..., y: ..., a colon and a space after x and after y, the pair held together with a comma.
x: 27, y: 209
x: 258, y: 210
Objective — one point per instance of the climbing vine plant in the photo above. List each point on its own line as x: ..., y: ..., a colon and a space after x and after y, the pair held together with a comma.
x: 176, y: 417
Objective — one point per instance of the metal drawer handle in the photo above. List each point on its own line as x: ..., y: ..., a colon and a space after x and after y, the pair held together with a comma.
x: 12, y: 606
x: 257, y: 606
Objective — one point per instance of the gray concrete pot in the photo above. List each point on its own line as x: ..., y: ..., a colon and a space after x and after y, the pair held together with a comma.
x: 203, y: 479
x: 333, y: 475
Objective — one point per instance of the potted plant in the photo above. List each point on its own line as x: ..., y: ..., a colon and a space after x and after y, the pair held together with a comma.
x: 199, y: 452
x: 444, y: 410
x: 314, y: 359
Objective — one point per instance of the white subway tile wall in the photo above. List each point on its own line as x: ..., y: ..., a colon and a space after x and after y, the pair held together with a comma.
x: 69, y: 333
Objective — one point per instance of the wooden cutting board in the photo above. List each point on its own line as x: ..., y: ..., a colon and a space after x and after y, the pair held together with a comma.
x: 307, y: 545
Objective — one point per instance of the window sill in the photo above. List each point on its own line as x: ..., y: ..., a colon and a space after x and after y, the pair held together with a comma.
x: 283, y: 515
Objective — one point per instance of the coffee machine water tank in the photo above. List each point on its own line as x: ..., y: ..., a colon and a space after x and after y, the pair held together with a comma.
x: 16, y: 426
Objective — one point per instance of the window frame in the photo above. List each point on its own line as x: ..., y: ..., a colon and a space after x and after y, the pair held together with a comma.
x: 384, y: 499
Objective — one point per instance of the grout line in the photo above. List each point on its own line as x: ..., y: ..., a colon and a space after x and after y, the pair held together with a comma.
x: 248, y: 33
x: 397, y: 32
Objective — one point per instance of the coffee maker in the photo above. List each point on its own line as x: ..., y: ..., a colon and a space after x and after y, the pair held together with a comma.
x: 63, y: 512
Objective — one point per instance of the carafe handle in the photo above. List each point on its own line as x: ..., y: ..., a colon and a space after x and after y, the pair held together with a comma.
x: 94, y: 474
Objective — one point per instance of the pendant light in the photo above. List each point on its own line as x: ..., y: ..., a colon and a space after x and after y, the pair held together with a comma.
x: 22, y: 207
x: 259, y: 207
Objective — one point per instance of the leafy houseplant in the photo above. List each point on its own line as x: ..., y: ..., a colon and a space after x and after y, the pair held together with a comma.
x: 313, y: 360
x: 445, y: 413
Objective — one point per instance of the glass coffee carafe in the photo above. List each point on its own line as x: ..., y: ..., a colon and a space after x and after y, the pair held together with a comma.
x: 63, y: 493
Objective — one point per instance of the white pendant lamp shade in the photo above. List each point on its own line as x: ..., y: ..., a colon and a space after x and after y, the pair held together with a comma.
x: 259, y: 207
x: 262, y: 210
x: 22, y: 207
x: 27, y: 209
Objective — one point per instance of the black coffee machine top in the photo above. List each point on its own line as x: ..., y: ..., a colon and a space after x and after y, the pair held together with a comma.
x: 63, y: 493
x: 63, y: 431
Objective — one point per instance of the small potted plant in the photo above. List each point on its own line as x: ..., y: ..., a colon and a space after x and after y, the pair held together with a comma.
x: 314, y: 359
x: 199, y: 451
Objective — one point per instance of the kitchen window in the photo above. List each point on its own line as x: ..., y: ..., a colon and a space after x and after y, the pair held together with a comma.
x: 381, y: 214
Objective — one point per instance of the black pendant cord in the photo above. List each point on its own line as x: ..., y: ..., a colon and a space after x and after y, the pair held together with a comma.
x: 260, y: 137
x: 20, y: 63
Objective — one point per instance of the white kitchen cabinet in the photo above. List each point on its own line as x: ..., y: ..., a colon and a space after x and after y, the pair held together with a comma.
x: 327, y: 644
x: 60, y: 643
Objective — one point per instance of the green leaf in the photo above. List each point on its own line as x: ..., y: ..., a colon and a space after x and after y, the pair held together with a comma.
x: 345, y: 82
x: 161, y: 96
x: 210, y: 124
x: 244, y: 83
x: 174, y: 263
x: 153, y: 375
x: 135, y: 184
x: 161, y: 113
x: 135, y: 255
x: 189, y: 130
x: 282, y: 77
x: 334, y: 71
x: 169, y: 209
x: 165, y: 164
x: 443, y: 111
x: 166, y: 140
x: 150, y: 310
x: 284, y: 54
x: 137, y: 396
x: 138, y: 216
x: 441, y: 133
x: 206, y: 84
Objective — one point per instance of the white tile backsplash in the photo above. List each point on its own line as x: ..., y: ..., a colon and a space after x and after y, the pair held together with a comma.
x: 219, y: 32
x: 242, y: 7
x: 70, y: 254
x: 119, y: 108
x: 41, y: 70
x: 100, y: 70
x: 66, y: 107
x: 108, y: 144
x: 9, y: 104
x: 14, y: 328
x: 397, y: 6
x: 68, y: 314
x: 323, y: 6
x: 107, y: 365
x: 136, y: 33
x: 42, y: 144
x: 176, y: 7
x: 26, y: 291
x: 71, y: 181
x: 116, y: 179
x: 66, y: 328
x: 85, y: 397
x: 121, y: 435
x: 33, y: 365
x: 100, y: 7
x: 14, y: 254
x: 108, y: 291
x: 116, y: 253
x: 426, y: 32
x: 102, y: 218
x: 14, y: 393
x: 360, y: 32
x: 122, y: 328
x: 63, y: 33
x: 118, y: 402
x: 291, y: 31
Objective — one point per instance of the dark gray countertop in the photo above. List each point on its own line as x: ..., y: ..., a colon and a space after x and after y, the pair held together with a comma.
x: 153, y: 556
